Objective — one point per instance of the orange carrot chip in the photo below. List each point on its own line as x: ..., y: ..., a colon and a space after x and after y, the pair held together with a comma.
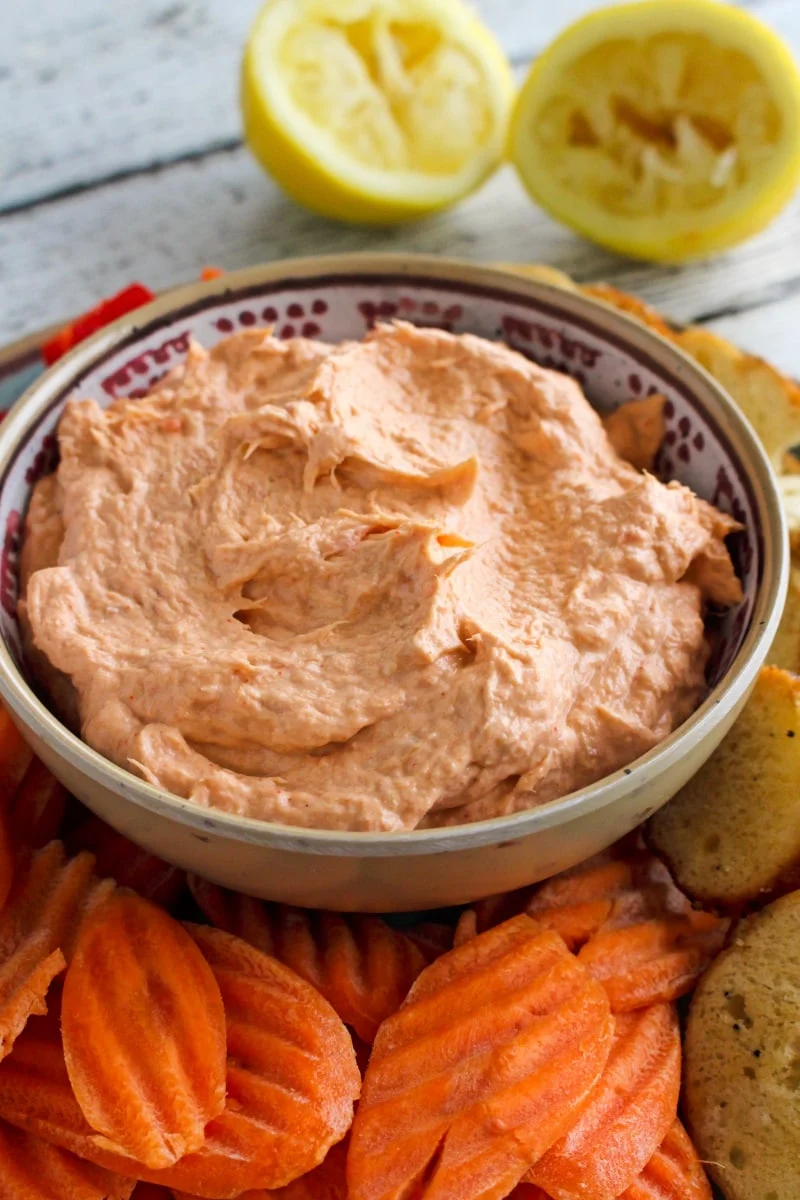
x: 628, y: 1113
x: 481, y: 1071
x: 36, y: 1095
x: 619, y: 887
x: 649, y: 961
x: 247, y: 1147
x: 673, y: 1173
x: 292, y: 1073
x: 361, y: 965
x: 15, y: 756
x: 622, y: 882
x: 6, y: 857
x: 131, y: 866
x: 32, y: 1169
x: 627, y: 921
x: 466, y: 927
x: 37, y: 807
x: 144, y: 1032
x: 49, y: 899
x: 328, y: 1181
x: 433, y: 938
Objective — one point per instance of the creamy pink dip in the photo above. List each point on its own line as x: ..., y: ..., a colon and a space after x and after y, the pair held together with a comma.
x: 387, y: 584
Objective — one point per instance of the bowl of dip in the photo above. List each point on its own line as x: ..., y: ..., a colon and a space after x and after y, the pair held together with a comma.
x: 326, y: 581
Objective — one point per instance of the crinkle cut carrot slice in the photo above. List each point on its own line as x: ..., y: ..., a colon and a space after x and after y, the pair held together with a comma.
x: 143, y: 1026
x: 131, y: 866
x: 466, y: 927
x: 615, y: 888
x: 630, y: 926
x: 361, y: 965
x: 654, y: 960
x: 6, y: 857
x: 35, y: 1094
x: 433, y: 938
x: 623, y: 882
x: 32, y: 1169
x: 49, y: 899
x: 328, y: 1181
x: 37, y: 807
x: 481, y: 1071
x: 292, y: 1069
x: 254, y: 1141
x: 628, y: 1113
x: 673, y: 1173
x: 15, y: 756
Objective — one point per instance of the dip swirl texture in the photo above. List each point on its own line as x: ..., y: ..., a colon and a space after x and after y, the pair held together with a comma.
x: 392, y: 583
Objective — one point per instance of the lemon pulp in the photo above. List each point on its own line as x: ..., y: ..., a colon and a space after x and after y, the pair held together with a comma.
x: 665, y: 129
x: 375, y: 109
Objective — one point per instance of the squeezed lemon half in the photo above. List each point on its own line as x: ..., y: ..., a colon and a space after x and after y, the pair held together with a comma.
x: 664, y: 129
x: 375, y: 110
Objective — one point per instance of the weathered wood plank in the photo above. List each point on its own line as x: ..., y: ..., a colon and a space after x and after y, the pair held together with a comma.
x: 161, y: 228
x: 91, y: 89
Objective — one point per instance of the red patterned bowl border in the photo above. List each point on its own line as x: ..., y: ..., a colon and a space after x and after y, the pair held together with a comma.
x: 696, y: 450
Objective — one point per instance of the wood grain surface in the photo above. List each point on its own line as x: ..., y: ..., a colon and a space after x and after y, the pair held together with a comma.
x: 121, y: 158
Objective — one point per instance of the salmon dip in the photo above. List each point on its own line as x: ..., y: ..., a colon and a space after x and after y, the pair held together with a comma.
x: 381, y: 585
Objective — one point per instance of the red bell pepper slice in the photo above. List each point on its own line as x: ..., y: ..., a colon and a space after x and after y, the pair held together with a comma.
x: 130, y: 298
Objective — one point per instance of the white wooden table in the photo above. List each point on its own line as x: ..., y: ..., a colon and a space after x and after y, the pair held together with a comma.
x: 121, y: 159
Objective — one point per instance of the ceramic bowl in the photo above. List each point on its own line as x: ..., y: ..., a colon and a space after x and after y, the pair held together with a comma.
x: 708, y: 446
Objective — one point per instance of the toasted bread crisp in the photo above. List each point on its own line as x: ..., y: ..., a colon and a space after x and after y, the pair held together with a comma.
x: 731, y: 836
x: 481, y: 1071
x: 631, y: 305
x: 790, y: 494
x: 769, y: 400
x: 742, y: 1075
x: 785, y: 649
x: 542, y: 274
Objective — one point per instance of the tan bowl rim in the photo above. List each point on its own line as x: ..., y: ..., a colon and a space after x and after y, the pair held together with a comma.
x: 740, y: 676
